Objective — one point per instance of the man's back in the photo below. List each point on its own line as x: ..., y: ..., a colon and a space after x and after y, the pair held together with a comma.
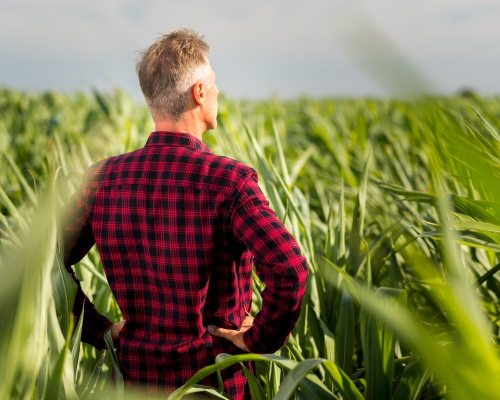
x: 174, y: 224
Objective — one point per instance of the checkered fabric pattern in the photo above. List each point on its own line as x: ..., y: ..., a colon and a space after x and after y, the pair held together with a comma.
x: 178, y: 230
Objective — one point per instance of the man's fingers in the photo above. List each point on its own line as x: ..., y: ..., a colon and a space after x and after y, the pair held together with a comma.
x: 119, y: 325
x: 247, y: 322
x: 115, y: 330
x: 220, y: 332
x: 233, y: 336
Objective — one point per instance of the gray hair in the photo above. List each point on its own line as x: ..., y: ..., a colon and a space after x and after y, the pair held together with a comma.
x: 169, y: 68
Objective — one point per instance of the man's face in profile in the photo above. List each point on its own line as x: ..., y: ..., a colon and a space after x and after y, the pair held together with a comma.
x: 211, y: 100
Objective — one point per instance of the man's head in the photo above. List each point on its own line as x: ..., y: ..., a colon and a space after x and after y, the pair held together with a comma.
x: 173, y: 73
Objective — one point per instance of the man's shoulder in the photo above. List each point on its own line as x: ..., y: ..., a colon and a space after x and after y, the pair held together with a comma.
x: 207, y: 169
x: 221, y: 164
x: 224, y: 171
x: 99, y: 169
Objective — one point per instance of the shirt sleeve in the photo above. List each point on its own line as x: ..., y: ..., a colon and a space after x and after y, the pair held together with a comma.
x: 78, y: 239
x: 279, y: 264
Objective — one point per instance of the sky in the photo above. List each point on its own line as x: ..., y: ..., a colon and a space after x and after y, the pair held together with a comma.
x: 259, y: 48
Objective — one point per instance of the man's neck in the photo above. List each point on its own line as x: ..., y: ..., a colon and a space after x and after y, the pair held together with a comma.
x: 185, y: 125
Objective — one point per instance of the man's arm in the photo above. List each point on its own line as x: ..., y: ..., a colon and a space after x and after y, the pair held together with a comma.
x: 78, y: 239
x: 279, y: 265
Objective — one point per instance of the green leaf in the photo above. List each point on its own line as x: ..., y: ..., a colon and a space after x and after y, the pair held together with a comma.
x: 213, y: 393
x: 26, y: 305
x: 329, y: 340
x: 60, y: 383
x: 315, y: 329
x: 284, y: 168
x: 311, y: 385
x: 273, y: 380
x: 340, y: 236
x: 349, y: 281
x: 397, y: 280
x: 342, y: 382
x: 75, y: 343
x: 276, y: 202
x: 344, y: 335
x: 300, y: 163
x: 255, y: 387
x: 378, y: 345
x: 458, y: 362
x: 329, y: 351
x: 488, y: 126
x: 485, y: 211
x: 412, y: 382
x: 30, y: 193
x: 13, y: 210
x: 61, y: 154
x: 119, y: 387
x: 55, y: 384
x: 487, y: 275
x: 358, y: 219
x: 64, y: 292
x: 265, y: 171
x: 294, y: 349
x: 294, y: 377
x: 410, y: 195
x: 92, y: 382
x: 476, y: 226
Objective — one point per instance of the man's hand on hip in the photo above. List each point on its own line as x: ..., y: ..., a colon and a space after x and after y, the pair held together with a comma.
x: 235, y: 336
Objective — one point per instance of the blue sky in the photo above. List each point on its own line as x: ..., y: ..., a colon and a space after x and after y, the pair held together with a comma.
x: 259, y: 48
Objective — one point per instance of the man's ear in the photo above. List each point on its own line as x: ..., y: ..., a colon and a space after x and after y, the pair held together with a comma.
x: 198, y: 92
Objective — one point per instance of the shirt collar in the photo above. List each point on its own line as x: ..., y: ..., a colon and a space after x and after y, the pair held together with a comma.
x: 177, y: 139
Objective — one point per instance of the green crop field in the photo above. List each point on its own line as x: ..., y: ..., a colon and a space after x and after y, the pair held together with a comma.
x: 396, y: 205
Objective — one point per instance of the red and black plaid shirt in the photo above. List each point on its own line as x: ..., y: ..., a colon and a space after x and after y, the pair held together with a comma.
x: 178, y: 230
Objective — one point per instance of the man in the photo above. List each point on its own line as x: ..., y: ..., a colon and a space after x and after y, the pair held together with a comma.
x: 178, y: 230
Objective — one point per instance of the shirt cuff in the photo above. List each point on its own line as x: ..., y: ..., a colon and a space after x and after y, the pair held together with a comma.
x: 252, y: 341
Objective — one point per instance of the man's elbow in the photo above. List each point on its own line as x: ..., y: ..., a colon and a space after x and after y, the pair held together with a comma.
x: 300, y: 273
